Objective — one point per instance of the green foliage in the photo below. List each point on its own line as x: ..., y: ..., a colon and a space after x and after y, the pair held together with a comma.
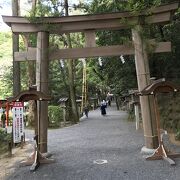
x: 114, y: 74
x: 170, y: 111
x: 40, y: 10
x: 177, y: 136
x: 55, y: 115
x: 4, y: 136
x: 45, y: 8
x: 6, y: 83
x: 58, y: 76
x: 4, y: 140
x: 167, y: 65
x: 6, y: 52
x: 122, y: 76
x: 6, y: 71
x: 139, y: 6
x: 57, y: 81
x: 99, y: 6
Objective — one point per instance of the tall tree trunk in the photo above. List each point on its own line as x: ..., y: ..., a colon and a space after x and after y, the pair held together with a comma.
x: 75, y: 115
x: 16, y: 65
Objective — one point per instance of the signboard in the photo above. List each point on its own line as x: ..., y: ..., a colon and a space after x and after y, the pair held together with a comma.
x: 18, y: 122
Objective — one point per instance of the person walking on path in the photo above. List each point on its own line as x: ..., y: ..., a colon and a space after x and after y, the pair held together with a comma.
x: 103, y: 107
x: 109, y: 98
x: 86, y: 111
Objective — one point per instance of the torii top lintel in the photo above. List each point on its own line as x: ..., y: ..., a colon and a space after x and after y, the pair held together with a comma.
x: 80, y: 23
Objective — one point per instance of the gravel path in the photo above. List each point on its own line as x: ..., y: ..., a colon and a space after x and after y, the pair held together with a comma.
x: 79, y: 149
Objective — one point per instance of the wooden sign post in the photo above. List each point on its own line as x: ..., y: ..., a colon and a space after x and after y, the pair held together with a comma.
x: 37, y: 157
x: 160, y: 86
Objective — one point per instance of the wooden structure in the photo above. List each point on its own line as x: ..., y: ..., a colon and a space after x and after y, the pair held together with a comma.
x: 36, y: 158
x: 63, y: 102
x: 29, y: 95
x: 84, y: 101
x: 93, y: 102
x: 125, y: 99
x: 135, y: 102
x: 160, y: 86
x: 89, y: 24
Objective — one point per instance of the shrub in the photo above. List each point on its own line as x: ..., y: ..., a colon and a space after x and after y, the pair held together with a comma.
x: 4, y: 136
x: 4, y: 140
x: 55, y: 115
x: 177, y: 136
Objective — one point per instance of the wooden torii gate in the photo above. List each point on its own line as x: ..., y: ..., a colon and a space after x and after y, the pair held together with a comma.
x: 89, y: 24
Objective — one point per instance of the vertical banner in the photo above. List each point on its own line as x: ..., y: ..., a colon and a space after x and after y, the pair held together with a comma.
x: 18, y: 122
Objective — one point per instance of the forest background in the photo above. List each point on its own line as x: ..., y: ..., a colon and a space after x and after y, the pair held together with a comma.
x: 114, y: 74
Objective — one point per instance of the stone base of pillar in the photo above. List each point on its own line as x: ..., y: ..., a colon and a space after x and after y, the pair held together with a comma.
x: 147, y: 151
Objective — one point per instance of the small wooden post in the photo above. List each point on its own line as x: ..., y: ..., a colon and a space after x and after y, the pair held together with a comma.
x: 22, y: 141
x: 10, y: 149
x: 24, y: 138
x: 64, y: 115
x: 161, y: 152
x: 136, y: 109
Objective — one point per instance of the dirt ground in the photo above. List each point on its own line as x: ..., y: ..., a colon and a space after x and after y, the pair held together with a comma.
x: 8, y: 164
x: 173, y: 140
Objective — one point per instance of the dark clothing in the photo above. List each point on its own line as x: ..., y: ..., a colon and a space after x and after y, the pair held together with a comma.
x: 3, y: 119
x: 86, y: 110
x: 103, y: 109
x: 109, y: 102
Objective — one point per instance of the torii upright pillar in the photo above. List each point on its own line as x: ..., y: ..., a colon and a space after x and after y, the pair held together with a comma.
x: 42, y: 64
x: 143, y: 78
